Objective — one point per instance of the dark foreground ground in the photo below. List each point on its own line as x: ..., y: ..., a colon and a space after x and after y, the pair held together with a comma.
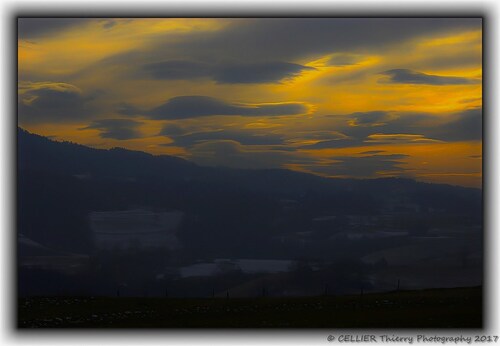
x: 436, y: 308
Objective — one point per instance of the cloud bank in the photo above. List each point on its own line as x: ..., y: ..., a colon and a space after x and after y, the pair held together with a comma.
x: 405, y: 76
x: 121, y: 129
x: 183, y: 107
x: 230, y: 73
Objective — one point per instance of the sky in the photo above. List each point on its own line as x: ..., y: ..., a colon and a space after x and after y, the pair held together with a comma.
x: 336, y: 97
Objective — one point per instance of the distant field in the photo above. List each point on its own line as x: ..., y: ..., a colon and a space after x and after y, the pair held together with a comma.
x: 436, y: 308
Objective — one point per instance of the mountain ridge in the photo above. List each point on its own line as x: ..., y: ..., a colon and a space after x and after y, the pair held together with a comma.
x: 31, y: 143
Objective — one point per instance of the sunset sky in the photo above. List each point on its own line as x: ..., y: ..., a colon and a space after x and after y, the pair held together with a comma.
x: 337, y: 97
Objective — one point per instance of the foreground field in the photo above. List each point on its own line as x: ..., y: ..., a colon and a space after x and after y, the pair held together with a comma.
x: 437, y: 308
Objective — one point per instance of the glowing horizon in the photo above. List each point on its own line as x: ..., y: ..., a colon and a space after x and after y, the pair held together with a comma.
x: 338, y: 97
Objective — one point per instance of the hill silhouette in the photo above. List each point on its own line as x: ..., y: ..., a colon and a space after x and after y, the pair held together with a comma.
x: 237, y: 213
x: 72, y: 179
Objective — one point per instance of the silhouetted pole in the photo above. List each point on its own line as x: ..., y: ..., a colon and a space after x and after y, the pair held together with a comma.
x: 118, y: 292
x: 398, y: 286
x: 326, y: 289
x: 227, y: 294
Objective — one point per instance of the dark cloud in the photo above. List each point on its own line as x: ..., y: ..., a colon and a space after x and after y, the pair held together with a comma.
x: 121, y: 129
x: 108, y: 23
x: 297, y: 137
x: 269, y: 39
x: 404, y: 128
x: 461, y: 126
x: 335, y: 143
x: 375, y: 118
x: 230, y: 153
x: 232, y: 53
x: 405, y: 76
x: 464, y: 126
x: 362, y: 166
x: 173, y: 130
x: 128, y: 109
x: 372, y: 152
x: 354, y: 131
x: 183, y: 107
x: 469, y: 58
x: 45, y: 102
x: 370, y: 165
x: 393, y: 123
x: 471, y: 100
x: 178, y: 69
x: 187, y: 137
x: 264, y: 72
x: 30, y: 28
x: 241, y: 136
x: 392, y: 138
x: 33, y: 28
